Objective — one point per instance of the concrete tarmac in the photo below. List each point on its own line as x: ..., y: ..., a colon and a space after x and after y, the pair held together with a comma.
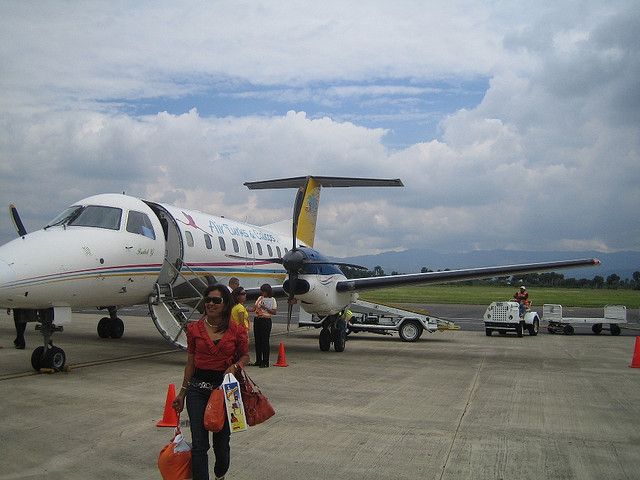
x: 454, y: 405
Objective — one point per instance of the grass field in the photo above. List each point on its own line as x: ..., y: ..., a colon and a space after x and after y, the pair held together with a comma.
x: 481, y: 295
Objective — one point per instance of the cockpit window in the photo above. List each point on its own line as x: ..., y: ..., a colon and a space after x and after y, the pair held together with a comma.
x: 98, y: 216
x: 318, y: 268
x: 138, y: 222
x: 65, y: 216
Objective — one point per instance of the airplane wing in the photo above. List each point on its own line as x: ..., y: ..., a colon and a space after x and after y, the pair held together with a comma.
x: 458, y: 275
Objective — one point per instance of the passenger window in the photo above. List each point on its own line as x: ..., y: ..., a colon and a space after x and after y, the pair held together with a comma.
x: 98, y: 216
x: 259, y: 248
x: 249, y: 249
x: 138, y: 222
x: 189, y: 238
x: 269, y: 250
x: 223, y: 246
x: 236, y: 247
x: 207, y: 241
x: 278, y: 252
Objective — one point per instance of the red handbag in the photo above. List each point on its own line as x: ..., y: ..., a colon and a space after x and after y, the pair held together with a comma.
x: 257, y: 407
x: 214, y: 412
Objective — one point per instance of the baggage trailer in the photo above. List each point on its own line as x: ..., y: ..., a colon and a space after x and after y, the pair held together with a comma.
x: 383, y: 319
x: 614, y: 315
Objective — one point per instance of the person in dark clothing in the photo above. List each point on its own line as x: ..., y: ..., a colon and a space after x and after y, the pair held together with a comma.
x: 265, y: 308
x: 21, y: 327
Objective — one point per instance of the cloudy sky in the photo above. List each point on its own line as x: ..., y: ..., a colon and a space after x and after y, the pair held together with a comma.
x: 511, y: 125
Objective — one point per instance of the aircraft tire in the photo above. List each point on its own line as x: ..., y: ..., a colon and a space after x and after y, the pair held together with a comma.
x: 36, y: 358
x: 55, y: 358
x: 104, y: 327
x: 117, y: 328
x: 339, y: 335
x: 325, y: 340
x: 614, y: 329
x: 596, y: 328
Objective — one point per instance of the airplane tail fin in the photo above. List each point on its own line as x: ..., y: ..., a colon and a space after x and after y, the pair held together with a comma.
x: 308, y: 197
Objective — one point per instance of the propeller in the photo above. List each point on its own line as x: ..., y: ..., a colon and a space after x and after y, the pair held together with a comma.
x: 17, y: 222
x: 295, y: 259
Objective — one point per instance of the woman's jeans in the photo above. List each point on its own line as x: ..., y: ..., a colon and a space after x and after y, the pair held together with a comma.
x: 196, y: 400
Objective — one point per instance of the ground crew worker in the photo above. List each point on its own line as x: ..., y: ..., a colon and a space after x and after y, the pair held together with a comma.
x: 522, y: 297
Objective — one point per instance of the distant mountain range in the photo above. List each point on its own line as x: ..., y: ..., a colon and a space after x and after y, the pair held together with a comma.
x: 411, y: 261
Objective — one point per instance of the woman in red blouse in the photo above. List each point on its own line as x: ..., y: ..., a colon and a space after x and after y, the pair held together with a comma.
x: 215, y: 346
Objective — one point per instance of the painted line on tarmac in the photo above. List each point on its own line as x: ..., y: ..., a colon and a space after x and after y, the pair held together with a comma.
x: 94, y: 363
x: 472, y: 392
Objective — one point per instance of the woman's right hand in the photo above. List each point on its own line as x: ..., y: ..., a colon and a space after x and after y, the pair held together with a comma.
x: 178, y: 403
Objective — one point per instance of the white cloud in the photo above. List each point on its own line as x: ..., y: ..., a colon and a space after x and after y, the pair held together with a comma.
x: 549, y: 159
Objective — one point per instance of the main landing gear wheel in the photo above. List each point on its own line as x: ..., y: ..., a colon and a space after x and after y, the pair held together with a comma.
x: 325, y: 340
x: 110, y: 327
x: 410, y: 331
x: 614, y: 329
x: 339, y: 335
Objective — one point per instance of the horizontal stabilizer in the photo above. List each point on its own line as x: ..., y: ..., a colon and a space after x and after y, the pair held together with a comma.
x: 297, y: 182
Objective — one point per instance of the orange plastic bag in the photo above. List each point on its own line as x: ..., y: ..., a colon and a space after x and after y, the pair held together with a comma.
x: 174, y: 461
x: 215, y: 413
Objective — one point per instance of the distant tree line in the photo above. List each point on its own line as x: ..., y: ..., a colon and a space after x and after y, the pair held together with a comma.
x: 549, y: 279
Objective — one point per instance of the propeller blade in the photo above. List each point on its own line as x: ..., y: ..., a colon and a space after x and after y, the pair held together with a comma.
x: 13, y: 211
x: 297, y: 207
x: 289, y: 313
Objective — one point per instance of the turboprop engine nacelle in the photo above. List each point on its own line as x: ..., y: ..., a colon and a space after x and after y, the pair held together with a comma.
x: 321, y: 296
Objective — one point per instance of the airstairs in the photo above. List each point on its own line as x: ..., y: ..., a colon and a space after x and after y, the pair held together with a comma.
x: 171, y: 314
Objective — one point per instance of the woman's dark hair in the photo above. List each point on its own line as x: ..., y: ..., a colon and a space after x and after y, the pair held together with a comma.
x: 236, y: 293
x: 266, y: 288
x: 227, y: 302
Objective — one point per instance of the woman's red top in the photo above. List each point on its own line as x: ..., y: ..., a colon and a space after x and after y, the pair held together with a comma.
x: 209, y: 356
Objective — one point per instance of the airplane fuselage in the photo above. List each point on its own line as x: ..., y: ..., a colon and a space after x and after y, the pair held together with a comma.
x: 124, y: 247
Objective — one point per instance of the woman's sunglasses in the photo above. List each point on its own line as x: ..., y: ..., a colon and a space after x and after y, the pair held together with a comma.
x: 214, y: 300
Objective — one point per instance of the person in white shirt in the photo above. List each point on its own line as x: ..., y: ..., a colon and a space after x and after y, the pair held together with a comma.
x: 265, y: 308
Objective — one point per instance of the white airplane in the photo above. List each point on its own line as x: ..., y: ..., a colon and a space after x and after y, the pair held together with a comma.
x: 112, y: 250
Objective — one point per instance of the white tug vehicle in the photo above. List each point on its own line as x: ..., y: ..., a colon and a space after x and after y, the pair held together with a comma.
x: 505, y: 316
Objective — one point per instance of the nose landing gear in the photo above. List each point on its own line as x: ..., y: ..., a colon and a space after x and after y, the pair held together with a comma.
x: 48, y: 355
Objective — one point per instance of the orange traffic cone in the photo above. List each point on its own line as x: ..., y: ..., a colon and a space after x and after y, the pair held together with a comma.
x: 635, y: 361
x: 170, y: 417
x: 282, y: 358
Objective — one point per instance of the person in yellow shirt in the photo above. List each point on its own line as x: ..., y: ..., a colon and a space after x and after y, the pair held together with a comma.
x: 239, y: 313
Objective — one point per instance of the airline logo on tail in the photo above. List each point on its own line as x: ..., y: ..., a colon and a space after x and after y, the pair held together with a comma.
x: 309, y: 212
